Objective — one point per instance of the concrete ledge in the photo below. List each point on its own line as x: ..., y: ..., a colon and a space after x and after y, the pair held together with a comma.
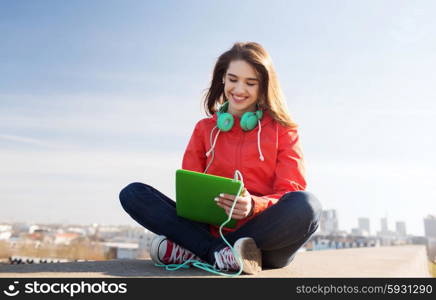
x: 399, y: 261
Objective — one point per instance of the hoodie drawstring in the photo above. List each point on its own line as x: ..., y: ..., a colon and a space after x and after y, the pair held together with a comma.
x: 258, y: 142
x: 211, y: 150
x: 214, y: 142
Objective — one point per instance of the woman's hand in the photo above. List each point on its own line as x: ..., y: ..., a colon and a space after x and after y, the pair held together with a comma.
x: 243, y: 207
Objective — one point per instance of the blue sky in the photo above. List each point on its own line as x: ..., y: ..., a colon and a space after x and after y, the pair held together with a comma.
x: 97, y: 94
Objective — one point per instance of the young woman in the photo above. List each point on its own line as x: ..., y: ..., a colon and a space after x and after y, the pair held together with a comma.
x: 248, y: 129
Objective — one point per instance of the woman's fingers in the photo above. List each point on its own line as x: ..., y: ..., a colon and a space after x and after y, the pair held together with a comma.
x: 230, y: 198
x: 227, y: 196
x: 234, y: 215
x: 236, y: 211
x: 239, y: 204
x: 237, y: 214
x: 242, y: 206
x: 240, y: 210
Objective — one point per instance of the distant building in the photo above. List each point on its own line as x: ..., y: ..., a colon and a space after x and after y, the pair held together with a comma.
x: 111, y: 233
x: 20, y: 227
x: 121, y: 250
x: 5, y: 227
x: 356, y: 232
x: 66, y: 238
x: 107, y: 232
x: 38, y: 229
x: 329, y: 222
x: 384, y: 226
x: 144, y: 242
x: 79, y: 230
x: 363, y: 225
x: 400, y: 229
x: 5, y: 235
x: 5, y: 231
x: 430, y: 234
x: 387, y: 237
x: 430, y: 226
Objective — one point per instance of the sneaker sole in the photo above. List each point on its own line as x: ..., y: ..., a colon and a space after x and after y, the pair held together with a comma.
x: 250, y: 254
x: 154, y: 248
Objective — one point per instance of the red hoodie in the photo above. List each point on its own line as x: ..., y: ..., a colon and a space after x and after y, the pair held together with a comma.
x: 281, y: 171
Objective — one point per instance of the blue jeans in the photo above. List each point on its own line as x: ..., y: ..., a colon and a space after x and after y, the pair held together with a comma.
x: 279, y: 231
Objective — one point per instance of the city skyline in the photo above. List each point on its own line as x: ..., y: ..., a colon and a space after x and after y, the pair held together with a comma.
x: 337, y: 226
x: 97, y: 95
x: 330, y: 223
x: 326, y: 225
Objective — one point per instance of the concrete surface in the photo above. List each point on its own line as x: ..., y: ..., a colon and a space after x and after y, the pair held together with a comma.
x: 399, y: 261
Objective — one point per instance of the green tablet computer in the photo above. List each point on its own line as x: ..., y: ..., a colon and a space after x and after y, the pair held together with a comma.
x: 195, y: 194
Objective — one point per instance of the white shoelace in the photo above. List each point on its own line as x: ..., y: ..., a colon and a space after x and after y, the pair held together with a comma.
x: 179, y: 255
x: 225, y: 260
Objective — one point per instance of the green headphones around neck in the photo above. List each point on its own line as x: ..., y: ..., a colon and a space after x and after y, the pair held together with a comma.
x: 248, y: 121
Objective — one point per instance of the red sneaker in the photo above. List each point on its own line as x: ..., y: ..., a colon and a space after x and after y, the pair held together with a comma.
x: 164, y: 251
x: 250, y: 254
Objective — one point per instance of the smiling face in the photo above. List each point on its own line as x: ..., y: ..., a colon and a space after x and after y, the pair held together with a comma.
x: 241, y: 87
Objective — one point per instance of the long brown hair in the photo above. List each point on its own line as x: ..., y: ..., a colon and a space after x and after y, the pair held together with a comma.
x: 270, y: 94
